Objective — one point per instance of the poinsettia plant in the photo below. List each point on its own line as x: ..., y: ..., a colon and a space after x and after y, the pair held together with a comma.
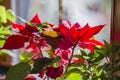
x: 58, y: 52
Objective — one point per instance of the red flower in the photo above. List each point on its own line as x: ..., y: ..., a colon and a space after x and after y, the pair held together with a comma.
x: 27, y: 29
x: 35, y: 20
x: 30, y: 77
x: 74, y: 35
x: 54, y: 72
x: 24, y: 34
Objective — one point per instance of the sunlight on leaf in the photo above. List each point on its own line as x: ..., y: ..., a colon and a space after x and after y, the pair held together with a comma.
x: 74, y: 76
x: 10, y: 16
x: 24, y: 57
x: 2, y: 14
x: 5, y: 30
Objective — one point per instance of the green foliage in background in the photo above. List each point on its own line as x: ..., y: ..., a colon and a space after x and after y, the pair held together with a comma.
x: 5, y: 15
x: 5, y: 31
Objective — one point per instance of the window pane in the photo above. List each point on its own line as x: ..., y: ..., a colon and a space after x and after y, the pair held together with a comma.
x: 47, y: 9
x: 94, y: 12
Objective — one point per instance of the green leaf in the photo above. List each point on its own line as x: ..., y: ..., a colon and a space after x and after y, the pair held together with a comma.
x: 104, y: 77
x: 108, y: 46
x: 107, y: 50
x: 86, y: 57
x: 10, y: 16
x: 85, y: 76
x: 77, y: 65
x: 2, y: 14
x: 58, y: 58
x: 39, y: 29
x: 24, y: 57
x: 97, y: 58
x: 74, y: 70
x: 71, y: 71
x: 43, y: 25
x: 83, y: 53
x: 40, y: 63
x: 78, y: 56
x: 98, y: 73
x: 5, y: 30
x: 18, y: 71
x: 2, y: 42
x: 74, y: 76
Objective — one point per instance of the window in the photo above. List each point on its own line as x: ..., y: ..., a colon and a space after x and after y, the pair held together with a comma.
x: 115, y: 22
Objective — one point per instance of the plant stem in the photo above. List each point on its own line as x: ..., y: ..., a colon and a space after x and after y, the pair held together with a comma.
x: 40, y: 51
x: 31, y: 58
x: 39, y: 47
x: 69, y: 62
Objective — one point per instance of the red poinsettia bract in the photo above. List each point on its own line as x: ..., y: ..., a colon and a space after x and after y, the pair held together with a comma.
x: 74, y: 35
x: 23, y: 34
x: 27, y: 29
x: 15, y: 42
x: 33, y: 47
x: 64, y: 54
x: 54, y: 72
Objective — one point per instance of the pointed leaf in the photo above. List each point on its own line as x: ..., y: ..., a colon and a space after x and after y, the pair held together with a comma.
x: 83, y: 53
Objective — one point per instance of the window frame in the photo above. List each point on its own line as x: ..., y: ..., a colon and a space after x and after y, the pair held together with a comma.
x: 115, y: 24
